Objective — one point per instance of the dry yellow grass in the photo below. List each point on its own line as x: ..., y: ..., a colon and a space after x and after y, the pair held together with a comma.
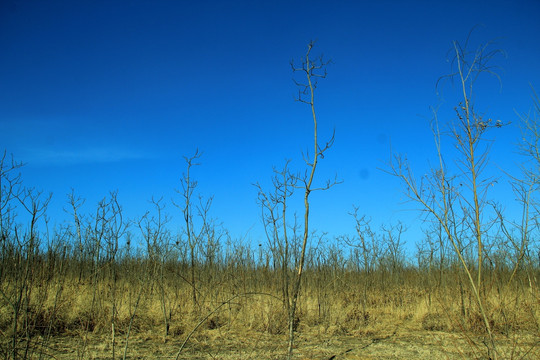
x: 398, y: 320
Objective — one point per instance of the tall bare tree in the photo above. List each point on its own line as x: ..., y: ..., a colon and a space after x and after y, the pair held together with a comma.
x: 312, y: 70
x: 458, y: 202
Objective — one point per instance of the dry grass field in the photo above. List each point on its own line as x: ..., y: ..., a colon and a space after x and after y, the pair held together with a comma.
x: 239, y: 315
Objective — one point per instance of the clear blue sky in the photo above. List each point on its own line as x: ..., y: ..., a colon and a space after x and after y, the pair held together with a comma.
x: 110, y: 95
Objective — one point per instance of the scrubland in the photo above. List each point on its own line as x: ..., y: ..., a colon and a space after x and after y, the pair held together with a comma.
x: 104, y: 287
x: 139, y: 307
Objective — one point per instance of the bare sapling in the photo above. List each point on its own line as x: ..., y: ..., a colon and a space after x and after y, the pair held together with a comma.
x: 108, y: 229
x: 197, y: 222
x: 367, y: 248
x: 431, y: 255
x: 274, y: 216
x: 10, y: 187
x: 519, y: 236
x: 394, y: 252
x: 312, y: 70
x: 526, y: 190
x: 141, y: 280
x: 457, y: 202
x: 80, y: 251
x: 20, y: 252
x: 188, y: 186
x: 157, y: 238
x: 55, y: 280
x: 115, y: 229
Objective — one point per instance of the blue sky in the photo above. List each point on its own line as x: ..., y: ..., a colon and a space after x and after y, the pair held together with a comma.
x: 110, y: 95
